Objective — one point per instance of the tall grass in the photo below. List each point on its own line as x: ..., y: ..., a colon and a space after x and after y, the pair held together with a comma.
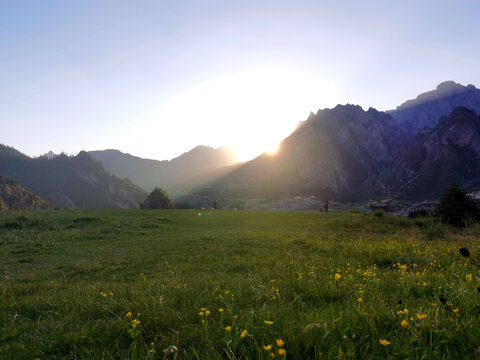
x: 229, y: 284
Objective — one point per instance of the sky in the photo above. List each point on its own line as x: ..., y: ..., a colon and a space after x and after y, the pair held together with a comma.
x: 157, y: 78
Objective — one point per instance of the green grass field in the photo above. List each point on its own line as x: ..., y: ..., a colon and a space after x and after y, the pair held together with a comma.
x: 230, y: 284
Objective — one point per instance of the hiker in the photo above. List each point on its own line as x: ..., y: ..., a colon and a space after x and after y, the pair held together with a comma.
x: 325, y: 206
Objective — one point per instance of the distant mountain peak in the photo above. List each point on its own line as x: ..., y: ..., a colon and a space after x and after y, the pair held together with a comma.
x: 426, y: 109
x: 50, y: 155
x: 449, y: 87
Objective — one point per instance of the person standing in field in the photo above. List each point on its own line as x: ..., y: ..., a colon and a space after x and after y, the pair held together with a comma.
x: 325, y: 206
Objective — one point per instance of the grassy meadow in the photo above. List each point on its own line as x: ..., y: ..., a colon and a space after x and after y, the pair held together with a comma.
x: 184, y: 284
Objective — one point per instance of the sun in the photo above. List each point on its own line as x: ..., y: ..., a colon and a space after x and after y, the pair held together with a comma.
x: 272, y: 150
x: 251, y: 110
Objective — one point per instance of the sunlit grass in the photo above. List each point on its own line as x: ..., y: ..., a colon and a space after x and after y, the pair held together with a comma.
x: 234, y: 284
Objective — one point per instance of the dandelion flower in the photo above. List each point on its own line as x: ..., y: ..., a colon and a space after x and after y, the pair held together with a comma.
x: 338, y: 276
x: 280, y: 343
x: 384, y: 342
x: 128, y: 314
x: 272, y: 355
x: 404, y: 323
x: 360, y: 300
x: 455, y: 311
x: 228, y: 328
x: 244, y: 334
x: 267, y: 347
x: 207, y: 312
x: 421, y: 316
x: 281, y: 352
x: 267, y: 322
x: 220, y: 310
x: 201, y: 313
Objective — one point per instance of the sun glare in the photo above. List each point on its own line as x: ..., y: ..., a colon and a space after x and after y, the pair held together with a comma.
x: 250, y: 110
x: 272, y: 150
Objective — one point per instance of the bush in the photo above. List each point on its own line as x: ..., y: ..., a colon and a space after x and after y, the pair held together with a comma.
x: 457, y: 208
x: 418, y: 213
x: 158, y: 199
x: 433, y: 230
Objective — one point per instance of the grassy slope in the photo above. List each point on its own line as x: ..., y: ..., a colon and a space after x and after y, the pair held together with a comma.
x: 165, y: 266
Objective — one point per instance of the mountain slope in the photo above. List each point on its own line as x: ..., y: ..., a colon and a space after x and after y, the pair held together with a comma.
x: 179, y: 176
x: 425, y: 111
x: 76, y: 182
x: 333, y: 155
x: 451, y: 149
x: 14, y: 197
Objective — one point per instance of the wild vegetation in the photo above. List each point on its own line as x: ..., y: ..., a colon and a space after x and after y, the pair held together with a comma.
x: 184, y: 284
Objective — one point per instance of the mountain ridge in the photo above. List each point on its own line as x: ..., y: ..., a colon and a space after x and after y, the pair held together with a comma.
x: 76, y: 181
x: 178, y: 176
x: 14, y: 197
x: 423, y: 112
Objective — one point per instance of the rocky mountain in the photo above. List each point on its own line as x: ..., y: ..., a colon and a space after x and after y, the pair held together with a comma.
x: 178, y: 176
x: 428, y: 164
x: 14, y: 197
x: 424, y: 112
x: 333, y: 154
x: 71, y: 181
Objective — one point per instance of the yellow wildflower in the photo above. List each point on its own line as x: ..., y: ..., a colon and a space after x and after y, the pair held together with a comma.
x: 207, y: 312
x: 111, y: 293
x: 244, y: 334
x: 228, y: 328
x: 135, y: 322
x: 421, y: 316
x: 338, y: 276
x: 272, y: 355
x: 280, y: 343
x: 267, y: 347
x: 128, y: 314
x: 455, y: 311
x: 384, y: 342
x: 220, y: 310
x: 201, y: 313
x: 404, y: 323
x: 360, y: 300
x: 281, y: 352
x: 267, y: 322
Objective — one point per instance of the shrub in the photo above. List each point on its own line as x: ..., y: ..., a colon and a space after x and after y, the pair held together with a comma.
x: 418, y: 213
x: 12, y: 225
x: 457, y: 208
x: 433, y: 230
x: 158, y: 199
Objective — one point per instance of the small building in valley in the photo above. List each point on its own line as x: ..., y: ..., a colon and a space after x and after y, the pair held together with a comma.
x: 379, y: 206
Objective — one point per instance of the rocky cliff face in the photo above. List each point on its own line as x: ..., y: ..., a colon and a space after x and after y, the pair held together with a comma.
x: 76, y: 182
x: 14, y: 197
x: 332, y: 154
x: 450, y: 149
x: 424, y: 112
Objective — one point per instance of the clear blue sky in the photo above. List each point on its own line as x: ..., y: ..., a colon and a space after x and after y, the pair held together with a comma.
x: 156, y: 78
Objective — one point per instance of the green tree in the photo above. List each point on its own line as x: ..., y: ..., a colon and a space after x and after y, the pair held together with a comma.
x: 457, y: 207
x: 158, y: 199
